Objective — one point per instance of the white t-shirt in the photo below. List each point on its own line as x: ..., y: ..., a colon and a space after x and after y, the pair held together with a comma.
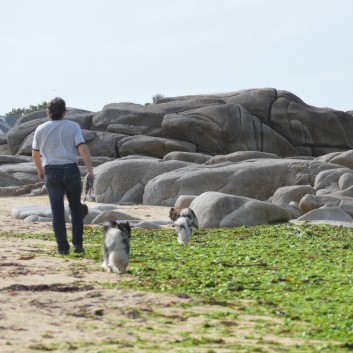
x: 57, y: 141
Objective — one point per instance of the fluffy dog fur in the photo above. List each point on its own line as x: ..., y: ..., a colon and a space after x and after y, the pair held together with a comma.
x: 183, y: 229
x: 184, y: 219
x: 116, y: 247
x: 176, y: 213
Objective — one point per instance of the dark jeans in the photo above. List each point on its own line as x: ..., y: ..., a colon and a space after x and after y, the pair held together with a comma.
x: 60, y: 180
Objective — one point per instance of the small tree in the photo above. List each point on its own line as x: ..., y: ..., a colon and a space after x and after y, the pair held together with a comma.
x: 157, y: 97
x: 32, y: 108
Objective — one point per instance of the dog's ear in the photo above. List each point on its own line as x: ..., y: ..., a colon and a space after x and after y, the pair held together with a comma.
x: 114, y: 224
x: 125, y: 228
x: 106, y: 226
x: 129, y: 229
x: 109, y: 224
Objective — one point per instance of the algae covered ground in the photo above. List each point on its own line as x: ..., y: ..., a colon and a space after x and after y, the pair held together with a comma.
x: 295, y: 282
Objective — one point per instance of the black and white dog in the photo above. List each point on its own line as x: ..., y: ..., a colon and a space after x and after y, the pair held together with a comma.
x: 184, y: 219
x: 116, y: 247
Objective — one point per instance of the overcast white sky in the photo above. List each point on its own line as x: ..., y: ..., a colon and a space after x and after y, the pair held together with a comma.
x: 95, y: 52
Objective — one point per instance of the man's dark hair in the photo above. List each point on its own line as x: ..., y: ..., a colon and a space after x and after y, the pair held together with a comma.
x: 56, y: 108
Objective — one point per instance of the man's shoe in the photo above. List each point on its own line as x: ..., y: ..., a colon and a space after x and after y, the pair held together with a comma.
x: 64, y: 252
x: 78, y: 249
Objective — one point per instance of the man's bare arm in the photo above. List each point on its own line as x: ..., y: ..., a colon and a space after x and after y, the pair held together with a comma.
x: 86, y: 158
x: 38, y: 163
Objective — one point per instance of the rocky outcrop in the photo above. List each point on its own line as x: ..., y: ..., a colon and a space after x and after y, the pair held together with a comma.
x: 260, y: 150
x: 19, y: 133
x: 223, y: 129
x: 257, y: 179
x: 190, y: 157
x: 215, y: 210
x: 152, y: 146
x: 308, y: 128
x: 262, y: 120
x: 96, y: 215
x: 124, y: 180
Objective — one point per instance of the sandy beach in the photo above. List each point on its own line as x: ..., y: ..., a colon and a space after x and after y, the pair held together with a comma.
x: 11, y: 225
x: 59, y: 304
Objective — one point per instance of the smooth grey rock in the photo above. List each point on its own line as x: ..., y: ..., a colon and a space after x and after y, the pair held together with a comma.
x: 92, y: 214
x: 40, y: 114
x: 14, y: 159
x: 152, y: 146
x: 140, y: 156
x: 327, y: 213
x: 240, y: 156
x: 214, y: 210
x: 105, y: 144
x: 20, y: 137
x: 7, y: 181
x: 295, y: 193
x: 96, y: 160
x: 257, y: 101
x: 26, y: 147
x: 5, y: 150
x: 345, y: 181
x: 223, y: 129
x: 7, y: 190
x: 71, y: 114
x: 125, y: 129
x: 3, y: 139
x: 189, y: 103
x: 305, y: 125
x: 18, y: 134
x: 187, y: 157
x: 184, y: 201
x: 129, y: 114
x: 133, y: 195
x: 83, y: 119
x: 21, y: 212
x: 321, y: 150
x: 347, y: 206
x: 112, y: 216
x: 38, y: 191
x: 292, y: 210
x: 116, y: 180
x: 106, y: 207
x: 44, y: 211
x: 327, y: 181
x: 311, y: 202
x: 26, y: 189
x: 344, y: 159
x: 257, y: 179
x: 88, y: 135
x: 37, y: 219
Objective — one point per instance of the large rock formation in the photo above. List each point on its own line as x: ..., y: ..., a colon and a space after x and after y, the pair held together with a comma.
x: 260, y: 150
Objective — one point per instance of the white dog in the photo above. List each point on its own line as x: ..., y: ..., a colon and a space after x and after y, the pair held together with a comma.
x: 184, y: 219
x: 184, y: 230
x: 116, y: 247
